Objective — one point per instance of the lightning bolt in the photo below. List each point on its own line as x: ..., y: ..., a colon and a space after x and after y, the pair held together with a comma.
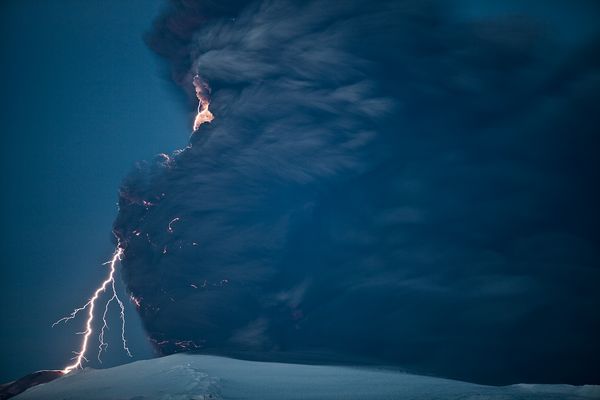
x: 109, y: 282
x: 203, y: 115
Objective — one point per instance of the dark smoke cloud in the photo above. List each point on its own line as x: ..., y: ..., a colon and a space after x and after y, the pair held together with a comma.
x: 390, y: 180
x: 173, y: 32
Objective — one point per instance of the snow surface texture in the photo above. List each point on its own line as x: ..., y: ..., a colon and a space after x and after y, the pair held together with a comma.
x: 195, y: 377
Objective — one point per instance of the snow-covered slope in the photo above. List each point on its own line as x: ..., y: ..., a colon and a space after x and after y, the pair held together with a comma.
x: 183, y: 376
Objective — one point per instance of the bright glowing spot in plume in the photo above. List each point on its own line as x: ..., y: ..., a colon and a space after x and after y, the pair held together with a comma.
x: 202, y: 91
x: 170, y: 228
x: 109, y: 282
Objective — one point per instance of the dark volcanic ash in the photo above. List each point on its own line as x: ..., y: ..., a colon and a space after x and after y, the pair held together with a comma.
x: 398, y: 182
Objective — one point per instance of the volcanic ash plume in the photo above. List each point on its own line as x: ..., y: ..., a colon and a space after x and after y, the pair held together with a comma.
x: 362, y: 189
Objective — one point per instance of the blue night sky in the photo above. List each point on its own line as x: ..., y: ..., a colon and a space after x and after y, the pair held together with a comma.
x: 83, y: 99
x: 399, y: 182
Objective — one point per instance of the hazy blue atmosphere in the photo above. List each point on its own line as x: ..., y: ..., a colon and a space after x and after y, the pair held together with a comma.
x: 397, y: 182
x: 83, y: 99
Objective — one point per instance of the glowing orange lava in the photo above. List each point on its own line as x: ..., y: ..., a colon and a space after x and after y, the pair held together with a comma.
x: 203, y: 115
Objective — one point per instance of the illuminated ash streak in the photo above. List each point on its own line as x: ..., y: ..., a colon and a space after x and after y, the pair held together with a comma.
x: 90, y: 305
x: 170, y: 228
x: 203, y: 115
x: 136, y: 301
